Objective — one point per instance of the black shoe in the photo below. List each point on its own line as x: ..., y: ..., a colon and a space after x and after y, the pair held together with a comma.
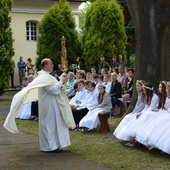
x: 58, y: 151
x: 54, y: 151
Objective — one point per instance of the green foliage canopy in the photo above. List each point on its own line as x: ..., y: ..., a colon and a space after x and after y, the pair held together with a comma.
x: 57, y: 22
x: 6, y: 44
x: 104, y: 31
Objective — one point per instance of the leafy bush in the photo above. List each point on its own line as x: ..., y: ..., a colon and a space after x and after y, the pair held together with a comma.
x: 104, y: 31
x: 6, y: 44
x: 57, y: 22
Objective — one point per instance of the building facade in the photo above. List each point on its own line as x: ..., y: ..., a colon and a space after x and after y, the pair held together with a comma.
x: 25, y: 17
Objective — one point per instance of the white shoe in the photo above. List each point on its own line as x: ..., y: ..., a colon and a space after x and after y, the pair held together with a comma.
x: 83, y: 129
x: 150, y: 148
x: 132, y: 144
x: 88, y: 130
x: 127, y: 144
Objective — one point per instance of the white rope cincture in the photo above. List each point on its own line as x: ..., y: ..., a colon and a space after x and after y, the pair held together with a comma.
x: 168, y: 83
x: 164, y: 82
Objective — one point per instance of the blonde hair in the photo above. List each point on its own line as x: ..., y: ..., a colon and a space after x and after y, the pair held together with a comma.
x: 30, y: 78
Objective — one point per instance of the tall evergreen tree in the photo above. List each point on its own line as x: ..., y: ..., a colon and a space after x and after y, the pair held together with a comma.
x: 57, y: 22
x: 6, y: 44
x: 104, y: 31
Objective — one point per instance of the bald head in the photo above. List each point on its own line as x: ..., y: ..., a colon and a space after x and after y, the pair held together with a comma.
x: 47, y: 65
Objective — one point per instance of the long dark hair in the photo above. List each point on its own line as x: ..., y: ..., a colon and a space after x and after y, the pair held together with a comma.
x: 101, y: 96
x: 162, y: 96
x: 149, y: 93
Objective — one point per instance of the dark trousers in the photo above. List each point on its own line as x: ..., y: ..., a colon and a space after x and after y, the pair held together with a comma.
x: 21, y: 74
x: 34, y: 109
x: 12, y: 79
x: 115, y: 102
x: 79, y: 114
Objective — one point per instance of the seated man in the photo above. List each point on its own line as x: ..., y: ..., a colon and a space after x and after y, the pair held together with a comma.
x: 122, y: 75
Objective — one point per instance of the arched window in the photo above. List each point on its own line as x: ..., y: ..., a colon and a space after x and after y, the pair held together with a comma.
x: 31, y: 30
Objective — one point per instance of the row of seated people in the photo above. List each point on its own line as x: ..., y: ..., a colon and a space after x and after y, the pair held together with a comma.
x: 148, y: 124
x: 92, y: 98
x: 122, y: 84
x: 88, y: 103
x: 30, y: 110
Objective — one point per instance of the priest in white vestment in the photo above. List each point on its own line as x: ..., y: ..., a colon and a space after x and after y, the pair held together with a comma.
x: 54, y: 114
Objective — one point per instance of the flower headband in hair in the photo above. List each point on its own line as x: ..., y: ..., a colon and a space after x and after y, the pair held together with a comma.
x: 164, y: 82
x: 149, y: 88
x: 168, y: 83
x: 140, y: 82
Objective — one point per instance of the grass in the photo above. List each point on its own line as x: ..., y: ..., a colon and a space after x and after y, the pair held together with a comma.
x: 6, y: 98
x: 11, y: 92
x: 5, y: 101
x: 106, y: 150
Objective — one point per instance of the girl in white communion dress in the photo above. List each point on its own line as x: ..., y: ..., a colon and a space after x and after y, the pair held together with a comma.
x: 120, y: 131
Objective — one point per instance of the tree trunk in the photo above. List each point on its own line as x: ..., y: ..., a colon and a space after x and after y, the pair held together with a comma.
x: 152, y: 31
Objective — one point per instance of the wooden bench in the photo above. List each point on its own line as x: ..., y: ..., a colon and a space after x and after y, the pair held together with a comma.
x: 103, y: 117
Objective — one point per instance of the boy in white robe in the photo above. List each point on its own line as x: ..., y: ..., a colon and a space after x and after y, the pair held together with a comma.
x: 80, y: 95
x: 88, y: 103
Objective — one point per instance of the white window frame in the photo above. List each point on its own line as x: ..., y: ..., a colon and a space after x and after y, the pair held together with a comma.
x: 31, y: 30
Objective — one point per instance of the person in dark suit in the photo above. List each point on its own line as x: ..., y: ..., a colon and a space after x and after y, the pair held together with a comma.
x: 12, y: 75
x: 116, y: 90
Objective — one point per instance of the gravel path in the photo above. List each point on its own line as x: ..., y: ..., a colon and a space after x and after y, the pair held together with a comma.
x: 21, y: 152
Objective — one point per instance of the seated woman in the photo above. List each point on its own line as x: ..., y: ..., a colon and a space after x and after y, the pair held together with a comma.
x: 127, y: 133
x: 127, y: 92
x: 91, y: 120
x: 116, y: 90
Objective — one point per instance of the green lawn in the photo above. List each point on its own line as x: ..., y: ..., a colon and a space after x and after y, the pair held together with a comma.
x: 7, y: 97
x: 106, y: 150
